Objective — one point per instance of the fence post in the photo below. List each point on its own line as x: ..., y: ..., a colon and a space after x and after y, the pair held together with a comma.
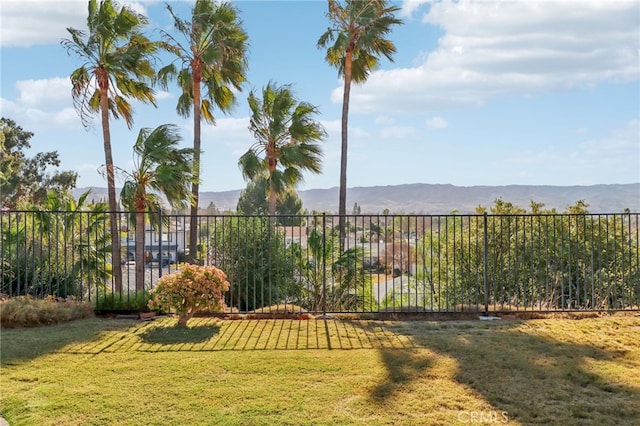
x: 160, y: 256
x: 486, y: 264
x: 324, y: 264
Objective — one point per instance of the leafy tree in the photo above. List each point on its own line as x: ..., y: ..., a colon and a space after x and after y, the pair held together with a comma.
x: 25, y: 180
x: 257, y: 262
x: 117, y: 67
x: 253, y: 201
x: 213, y: 54
x: 289, y: 209
x: 212, y: 209
x: 354, y: 42
x: 331, y: 280
x: 286, y: 135
x: 161, y: 168
x: 547, y: 260
x: 59, y: 247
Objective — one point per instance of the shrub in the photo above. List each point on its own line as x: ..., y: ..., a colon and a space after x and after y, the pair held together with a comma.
x: 125, y: 301
x: 25, y: 311
x: 190, y: 289
x: 255, y: 256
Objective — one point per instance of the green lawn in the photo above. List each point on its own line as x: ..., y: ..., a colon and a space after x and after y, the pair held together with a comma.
x: 333, y: 372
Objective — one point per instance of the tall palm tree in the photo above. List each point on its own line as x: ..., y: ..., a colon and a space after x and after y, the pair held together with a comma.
x: 117, y: 67
x: 161, y: 168
x: 286, y: 134
x: 358, y: 30
x: 212, y: 54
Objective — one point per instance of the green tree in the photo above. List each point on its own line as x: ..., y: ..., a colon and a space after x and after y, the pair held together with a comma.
x: 59, y: 247
x: 286, y: 136
x: 213, y: 54
x: 25, y: 180
x: 117, y: 67
x: 289, y: 209
x: 331, y: 280
x: 542, y: 260
x: 354, y: 42
x: 256, y: 259
x: 253, y: 201
x: 212, y: 209
x: 357, y: 210
x: 161, y: 168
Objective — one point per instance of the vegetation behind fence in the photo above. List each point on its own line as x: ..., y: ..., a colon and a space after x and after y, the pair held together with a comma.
x: 390, y: 263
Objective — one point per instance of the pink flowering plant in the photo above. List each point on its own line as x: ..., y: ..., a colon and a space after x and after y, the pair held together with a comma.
x: 190, y: 289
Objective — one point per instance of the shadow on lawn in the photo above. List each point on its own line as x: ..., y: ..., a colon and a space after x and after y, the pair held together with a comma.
x: 26, y: 344
x: 179, y: 334
x: 531, y: 378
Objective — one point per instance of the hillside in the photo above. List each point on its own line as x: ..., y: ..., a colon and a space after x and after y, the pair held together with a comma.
x: 439, y: 199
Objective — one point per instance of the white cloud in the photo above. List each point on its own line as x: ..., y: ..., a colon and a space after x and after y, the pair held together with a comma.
x: 384, y: 120
x: 619, y: 151
x: 495, y: 48
x: 621, y: 143
x: 43, y: 104
x: 31, y: 23
x: 52, y: 92
x: 25, y: 23
x: 397, y: 133
x: 437, y: 123
x: 228, y: 131
x: 334, y: 129
x: 162, y: 94
x: 410, y: 6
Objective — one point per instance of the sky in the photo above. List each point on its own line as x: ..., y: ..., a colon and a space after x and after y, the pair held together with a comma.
x: 537, y: 92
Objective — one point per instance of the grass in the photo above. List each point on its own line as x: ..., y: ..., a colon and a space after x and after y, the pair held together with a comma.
x: 247, y: 372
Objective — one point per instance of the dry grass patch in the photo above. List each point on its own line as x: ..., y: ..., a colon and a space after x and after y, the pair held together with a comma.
x: 25, y: 311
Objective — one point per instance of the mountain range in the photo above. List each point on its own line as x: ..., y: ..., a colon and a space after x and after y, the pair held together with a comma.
x: 425, y: 198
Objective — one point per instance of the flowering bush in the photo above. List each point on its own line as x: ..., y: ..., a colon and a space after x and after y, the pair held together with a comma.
x: 190, y: 289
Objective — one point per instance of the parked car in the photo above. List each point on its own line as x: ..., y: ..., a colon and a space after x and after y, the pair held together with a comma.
x: 164, y: 259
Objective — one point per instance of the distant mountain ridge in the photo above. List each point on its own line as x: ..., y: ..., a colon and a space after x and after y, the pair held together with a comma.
x: 443, y: 198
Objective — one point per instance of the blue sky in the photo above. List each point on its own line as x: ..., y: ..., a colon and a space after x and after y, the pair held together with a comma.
x: 480, y: 93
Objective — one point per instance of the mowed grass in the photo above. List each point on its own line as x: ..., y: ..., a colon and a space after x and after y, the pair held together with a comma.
x: 323, y: 372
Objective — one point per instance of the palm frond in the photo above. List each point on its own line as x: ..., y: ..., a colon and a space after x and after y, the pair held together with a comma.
x: 285, y: 131
x: 359, y: 27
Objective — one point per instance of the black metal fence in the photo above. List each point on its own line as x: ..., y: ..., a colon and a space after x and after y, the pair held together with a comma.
x: 395, y: 263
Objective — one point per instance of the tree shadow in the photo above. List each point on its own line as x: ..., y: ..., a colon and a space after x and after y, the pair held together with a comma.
x: 178, y: 334
x: 403, y: 366
x: 532, y: 378
x: 25, y: 344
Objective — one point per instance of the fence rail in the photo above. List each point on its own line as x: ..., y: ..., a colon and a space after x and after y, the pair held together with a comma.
x: 394, y: 263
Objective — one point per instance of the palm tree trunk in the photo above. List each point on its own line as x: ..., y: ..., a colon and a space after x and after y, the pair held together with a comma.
x: 116, y: 260
x: 195, y: 186
x: 140, y: 234
x: 342, y: 202
x: 272, y: 201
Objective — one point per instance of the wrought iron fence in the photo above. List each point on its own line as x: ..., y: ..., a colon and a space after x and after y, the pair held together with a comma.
x: 380, y: 263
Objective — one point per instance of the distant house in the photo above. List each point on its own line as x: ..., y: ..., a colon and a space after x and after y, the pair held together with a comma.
x: 295, y: 234
x: 163, y: 248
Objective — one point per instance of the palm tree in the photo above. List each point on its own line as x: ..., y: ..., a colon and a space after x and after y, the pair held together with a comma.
x: 286, y: 134
x: 117, y: 66
x: 358, y: 32
x: 161, y: 168
x: 213, y: 54
x: 333, y: 280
